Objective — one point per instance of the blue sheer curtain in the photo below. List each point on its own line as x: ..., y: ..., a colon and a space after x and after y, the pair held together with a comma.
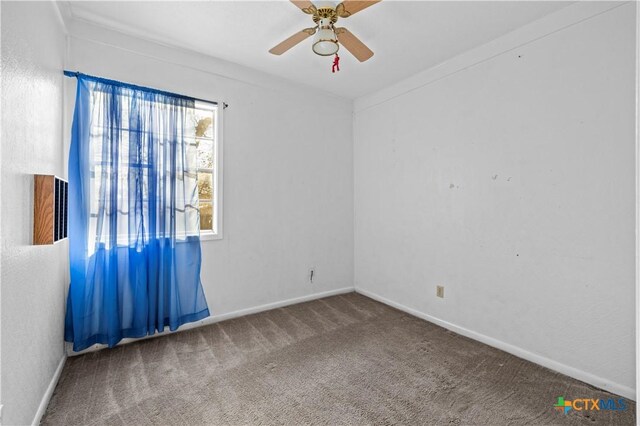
x: 134, y: 243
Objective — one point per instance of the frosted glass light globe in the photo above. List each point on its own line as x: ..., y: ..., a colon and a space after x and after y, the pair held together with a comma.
x: 325, y: 42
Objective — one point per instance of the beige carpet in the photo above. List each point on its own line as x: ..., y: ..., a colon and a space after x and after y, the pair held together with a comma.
x: 340, y: 360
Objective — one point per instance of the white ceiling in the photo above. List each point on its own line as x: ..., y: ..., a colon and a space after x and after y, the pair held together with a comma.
x: 406, y: 36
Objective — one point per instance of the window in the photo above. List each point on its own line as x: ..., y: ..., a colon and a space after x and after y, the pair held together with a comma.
x: 202, y: 137
x: 207, y: 131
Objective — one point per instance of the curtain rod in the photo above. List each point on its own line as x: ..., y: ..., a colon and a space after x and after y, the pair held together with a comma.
x: 136, y: 87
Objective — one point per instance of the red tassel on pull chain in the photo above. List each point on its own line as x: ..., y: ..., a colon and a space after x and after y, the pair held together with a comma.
x: 336, y: 64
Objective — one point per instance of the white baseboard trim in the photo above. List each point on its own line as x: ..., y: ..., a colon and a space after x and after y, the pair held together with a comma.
x: 575, y: 373
x: 44, y: 403
x: 230, y: 315
x: 280, y: 304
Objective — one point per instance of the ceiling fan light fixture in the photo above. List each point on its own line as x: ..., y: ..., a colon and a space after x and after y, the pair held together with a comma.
x: 325, y: 42
x: 327, y: 38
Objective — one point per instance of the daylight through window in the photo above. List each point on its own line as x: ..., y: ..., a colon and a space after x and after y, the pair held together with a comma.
x: 206, y: 122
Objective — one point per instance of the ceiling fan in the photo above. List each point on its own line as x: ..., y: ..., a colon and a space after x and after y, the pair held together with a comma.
x: 328, y: 37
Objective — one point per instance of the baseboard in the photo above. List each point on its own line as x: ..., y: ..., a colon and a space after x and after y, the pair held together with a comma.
x: 230, y: 315
x: 44, y: 403
x: 275, y: 305
x: 575, y: 373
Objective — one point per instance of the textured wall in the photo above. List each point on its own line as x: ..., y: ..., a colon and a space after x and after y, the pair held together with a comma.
x: 511, y: 183
x: 33, y: 277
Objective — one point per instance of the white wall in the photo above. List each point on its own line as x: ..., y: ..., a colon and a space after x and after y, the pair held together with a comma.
x: 507, y: 175
x: 288, y: 185
x: 33, y: 277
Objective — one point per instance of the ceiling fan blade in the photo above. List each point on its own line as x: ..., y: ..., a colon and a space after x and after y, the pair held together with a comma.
x: 292, y: 41
x: 353, y: 44
x: 350, y: 7
x: 305, y: 5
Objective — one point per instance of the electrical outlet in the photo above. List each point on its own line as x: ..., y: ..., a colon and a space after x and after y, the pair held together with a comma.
x: 312, y: 275
x: 440, y: 291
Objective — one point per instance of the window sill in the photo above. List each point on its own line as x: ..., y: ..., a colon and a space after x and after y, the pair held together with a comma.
x: 210, y: 236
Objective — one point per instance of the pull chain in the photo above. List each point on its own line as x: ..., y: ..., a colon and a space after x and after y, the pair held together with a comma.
x: 336, y: 64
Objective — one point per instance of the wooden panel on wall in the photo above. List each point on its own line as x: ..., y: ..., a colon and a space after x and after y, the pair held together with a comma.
x: 43, y: 209
x: 50, y: 209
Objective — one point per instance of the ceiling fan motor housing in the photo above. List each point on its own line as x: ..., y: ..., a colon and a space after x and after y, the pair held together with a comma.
x: 325, y: 13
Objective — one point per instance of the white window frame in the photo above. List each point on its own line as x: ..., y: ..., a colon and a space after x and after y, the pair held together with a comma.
x: 216, y: 175
x: 216, y: 233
